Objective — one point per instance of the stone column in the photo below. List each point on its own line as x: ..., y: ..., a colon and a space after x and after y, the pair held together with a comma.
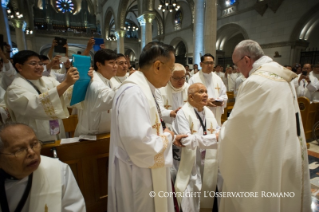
x: 211, y: 27
x: 120, y: 34
x: 19, y: 26
x: 4, y: 29
x: 198, y: 34
x: 145, y: 21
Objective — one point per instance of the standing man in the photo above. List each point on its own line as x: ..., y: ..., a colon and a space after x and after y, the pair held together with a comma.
x: 94, y: 112
x: 262, y: 145
x: 306, y: 84
x: 122, y: 68
x: 170, y: 99
x: 38, y: 101
x: 140, y: 149
x: 216, y: 88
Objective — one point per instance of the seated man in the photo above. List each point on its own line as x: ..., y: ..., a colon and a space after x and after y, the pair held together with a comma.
x: 94, y: 113
x: 38, y: 101
x: 199, y: 123
x: 30, y: 182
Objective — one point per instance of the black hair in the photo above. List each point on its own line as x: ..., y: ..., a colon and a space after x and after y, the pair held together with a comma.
x: 202, y: 58
x: 43, y: 57
x: 195, y: 65
x: 186, y: 66
x: 154, y: 50
x: 22, y: 56
x: 120, y: 55
x: 103, y: 55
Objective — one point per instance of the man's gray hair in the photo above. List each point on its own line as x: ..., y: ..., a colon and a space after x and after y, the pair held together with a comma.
x: 249, y: 48
x: 4, y: 127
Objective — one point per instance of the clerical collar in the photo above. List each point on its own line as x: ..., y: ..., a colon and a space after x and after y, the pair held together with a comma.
x: 120, y: 79
x: 152, y: 87
x: 205, y: 74
x: 258, y: 63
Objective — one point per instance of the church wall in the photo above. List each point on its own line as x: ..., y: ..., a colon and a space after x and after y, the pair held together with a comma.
x: 271, y: 28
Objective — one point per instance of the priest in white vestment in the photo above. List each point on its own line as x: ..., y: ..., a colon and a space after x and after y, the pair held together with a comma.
x: 306, y: 84
x: 140, y: 150
x: 122, y: 68
x: 215, y: 86
x: 47, y: 64
x: 170, y: 99
x: 231, y: 77
x: 262, y: 145
x: 198, y: 169
x: 174, y: 95
x: 221, y: 74
x: 38, y: 101
x: 94, y: 113
x: 31, y: 182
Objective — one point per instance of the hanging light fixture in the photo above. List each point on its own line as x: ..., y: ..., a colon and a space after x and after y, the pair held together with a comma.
x: 168, y: 5
x: 111, y: 38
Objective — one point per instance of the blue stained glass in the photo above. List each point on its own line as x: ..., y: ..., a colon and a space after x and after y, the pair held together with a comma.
x: 65, y: 5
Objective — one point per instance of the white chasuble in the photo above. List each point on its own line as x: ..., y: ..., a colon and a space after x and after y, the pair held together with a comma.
x: 188, y: 157
x: 215, y: 88
x: 46, y: 191
x: 27, y: 106
x: 140, y: 153
x: 94, y: 112
x: 171, y: 99
x: 260, y: 150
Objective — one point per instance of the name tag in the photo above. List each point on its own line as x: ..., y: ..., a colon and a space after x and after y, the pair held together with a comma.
x: 54, y: 127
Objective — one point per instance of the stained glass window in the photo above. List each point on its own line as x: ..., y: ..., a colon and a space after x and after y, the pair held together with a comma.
x: 65, y: 6
x: 229, y: 2
x: 178, y: 17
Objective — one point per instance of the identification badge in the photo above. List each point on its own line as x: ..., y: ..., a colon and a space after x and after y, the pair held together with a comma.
x: 54, y: 127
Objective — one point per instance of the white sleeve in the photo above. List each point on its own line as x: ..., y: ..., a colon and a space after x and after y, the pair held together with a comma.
x: 100, y: 97
x: 9, y: 75
x: 135, y: 131
x: 181, y: 126
x: 313, y: 86
x: 72, y: 198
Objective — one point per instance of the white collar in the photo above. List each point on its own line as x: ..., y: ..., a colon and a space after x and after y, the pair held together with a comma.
x: 261, y: 61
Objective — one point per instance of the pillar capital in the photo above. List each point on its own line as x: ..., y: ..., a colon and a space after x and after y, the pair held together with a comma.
x: 146, y: 18
x: 120, y: 33
x: 19, y: 23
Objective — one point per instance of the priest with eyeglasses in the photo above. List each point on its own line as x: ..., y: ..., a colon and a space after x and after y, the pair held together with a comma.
x: 31, y: 182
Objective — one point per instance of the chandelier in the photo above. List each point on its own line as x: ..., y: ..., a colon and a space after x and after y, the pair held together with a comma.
x: 111, y: 38
x: 168, y: 5
x: 129, y: 28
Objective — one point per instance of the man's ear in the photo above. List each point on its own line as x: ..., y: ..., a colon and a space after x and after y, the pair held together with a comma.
x: 18, y: 67
x: 156, y: 66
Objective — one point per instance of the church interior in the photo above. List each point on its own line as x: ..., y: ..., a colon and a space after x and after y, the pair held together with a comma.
x: 287, y: 31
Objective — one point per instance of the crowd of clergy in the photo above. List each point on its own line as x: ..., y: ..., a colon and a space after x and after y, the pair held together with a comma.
x: 166, y: 131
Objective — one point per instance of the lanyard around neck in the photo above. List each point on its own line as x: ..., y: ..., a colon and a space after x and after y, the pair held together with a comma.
x: 201, y: 123
x: 39, y: 92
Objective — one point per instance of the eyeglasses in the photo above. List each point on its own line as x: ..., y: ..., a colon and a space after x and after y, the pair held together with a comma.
x: 178, y: 79
x: 22, y: 153
x: 35, y: 64
x: 209, y: 63
x: 240, y: 60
